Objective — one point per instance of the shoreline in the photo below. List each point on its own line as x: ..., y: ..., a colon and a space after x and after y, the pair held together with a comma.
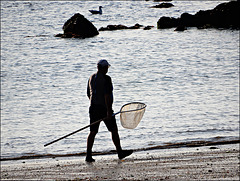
x: 165, y: 146
x: 220, y: 162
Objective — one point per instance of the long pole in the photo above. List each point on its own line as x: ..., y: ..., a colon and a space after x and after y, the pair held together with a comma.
x: 78, y: 130
x: 73, y: 133
x: 93, y: 124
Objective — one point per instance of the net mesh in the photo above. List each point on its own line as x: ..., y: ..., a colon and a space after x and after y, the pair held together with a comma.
x: 131, y: 114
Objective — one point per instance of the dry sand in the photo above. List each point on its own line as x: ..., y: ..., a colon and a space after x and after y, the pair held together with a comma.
x: 201, y: 163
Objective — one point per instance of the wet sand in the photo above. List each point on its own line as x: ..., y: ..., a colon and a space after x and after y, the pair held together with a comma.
x: 219, y: 162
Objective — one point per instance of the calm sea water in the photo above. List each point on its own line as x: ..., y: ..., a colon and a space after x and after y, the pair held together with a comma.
x: 189, y: 80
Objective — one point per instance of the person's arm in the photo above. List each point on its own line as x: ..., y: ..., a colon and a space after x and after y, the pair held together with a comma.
x: 108, y: 101
x: 108, y: 95
x: 88, y: 90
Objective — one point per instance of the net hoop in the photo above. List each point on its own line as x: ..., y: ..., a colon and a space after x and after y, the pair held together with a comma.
x: 131, y: 114
x: 139, y: 103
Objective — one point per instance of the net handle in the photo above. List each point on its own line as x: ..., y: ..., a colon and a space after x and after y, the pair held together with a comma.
x: 98, y: 122
x: 131, y: 109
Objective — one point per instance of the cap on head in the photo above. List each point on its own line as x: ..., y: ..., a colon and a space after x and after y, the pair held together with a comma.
x: 103, y: 63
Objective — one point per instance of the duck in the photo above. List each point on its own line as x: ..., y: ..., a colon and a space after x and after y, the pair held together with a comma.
x: 97, y: 12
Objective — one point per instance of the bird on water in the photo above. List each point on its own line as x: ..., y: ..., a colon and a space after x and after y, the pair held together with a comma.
x: 97, y: 12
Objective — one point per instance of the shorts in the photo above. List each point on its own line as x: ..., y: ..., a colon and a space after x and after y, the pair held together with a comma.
x: 97, y: 112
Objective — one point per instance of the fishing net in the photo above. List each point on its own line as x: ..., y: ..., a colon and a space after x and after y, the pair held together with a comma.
x: 131, y: 114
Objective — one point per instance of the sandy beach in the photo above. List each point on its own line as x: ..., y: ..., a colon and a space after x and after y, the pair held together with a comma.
x: 220, y: 162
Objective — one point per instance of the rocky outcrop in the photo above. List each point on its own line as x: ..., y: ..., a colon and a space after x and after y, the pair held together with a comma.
x: 167, y: 22
x: 123, y: 27
x: 225, y: 15
x: 119, y: 27
x: 163, y: 5
x: 78, y: 27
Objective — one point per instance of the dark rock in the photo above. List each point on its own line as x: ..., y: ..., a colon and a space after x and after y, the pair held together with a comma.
x: 188, y: 20
x: 59, y: 35
x: 136, y: 26
x: 213, y: 148
x: 163, y: 5
x: 180, y: 28
x: 119, y: 27
x: 148, y: 27
x: 112, y: 27
x: 225, y: 15
x: 167, y: 22
x: 78, y: 27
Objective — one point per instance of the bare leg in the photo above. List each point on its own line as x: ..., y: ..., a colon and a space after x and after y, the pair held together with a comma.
x: 90, y: 142
x: 116, y: 140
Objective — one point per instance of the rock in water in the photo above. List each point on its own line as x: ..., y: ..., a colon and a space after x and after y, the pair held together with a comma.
x: 225, y: 15
x: 78, y: 27
x: 163, y: 5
